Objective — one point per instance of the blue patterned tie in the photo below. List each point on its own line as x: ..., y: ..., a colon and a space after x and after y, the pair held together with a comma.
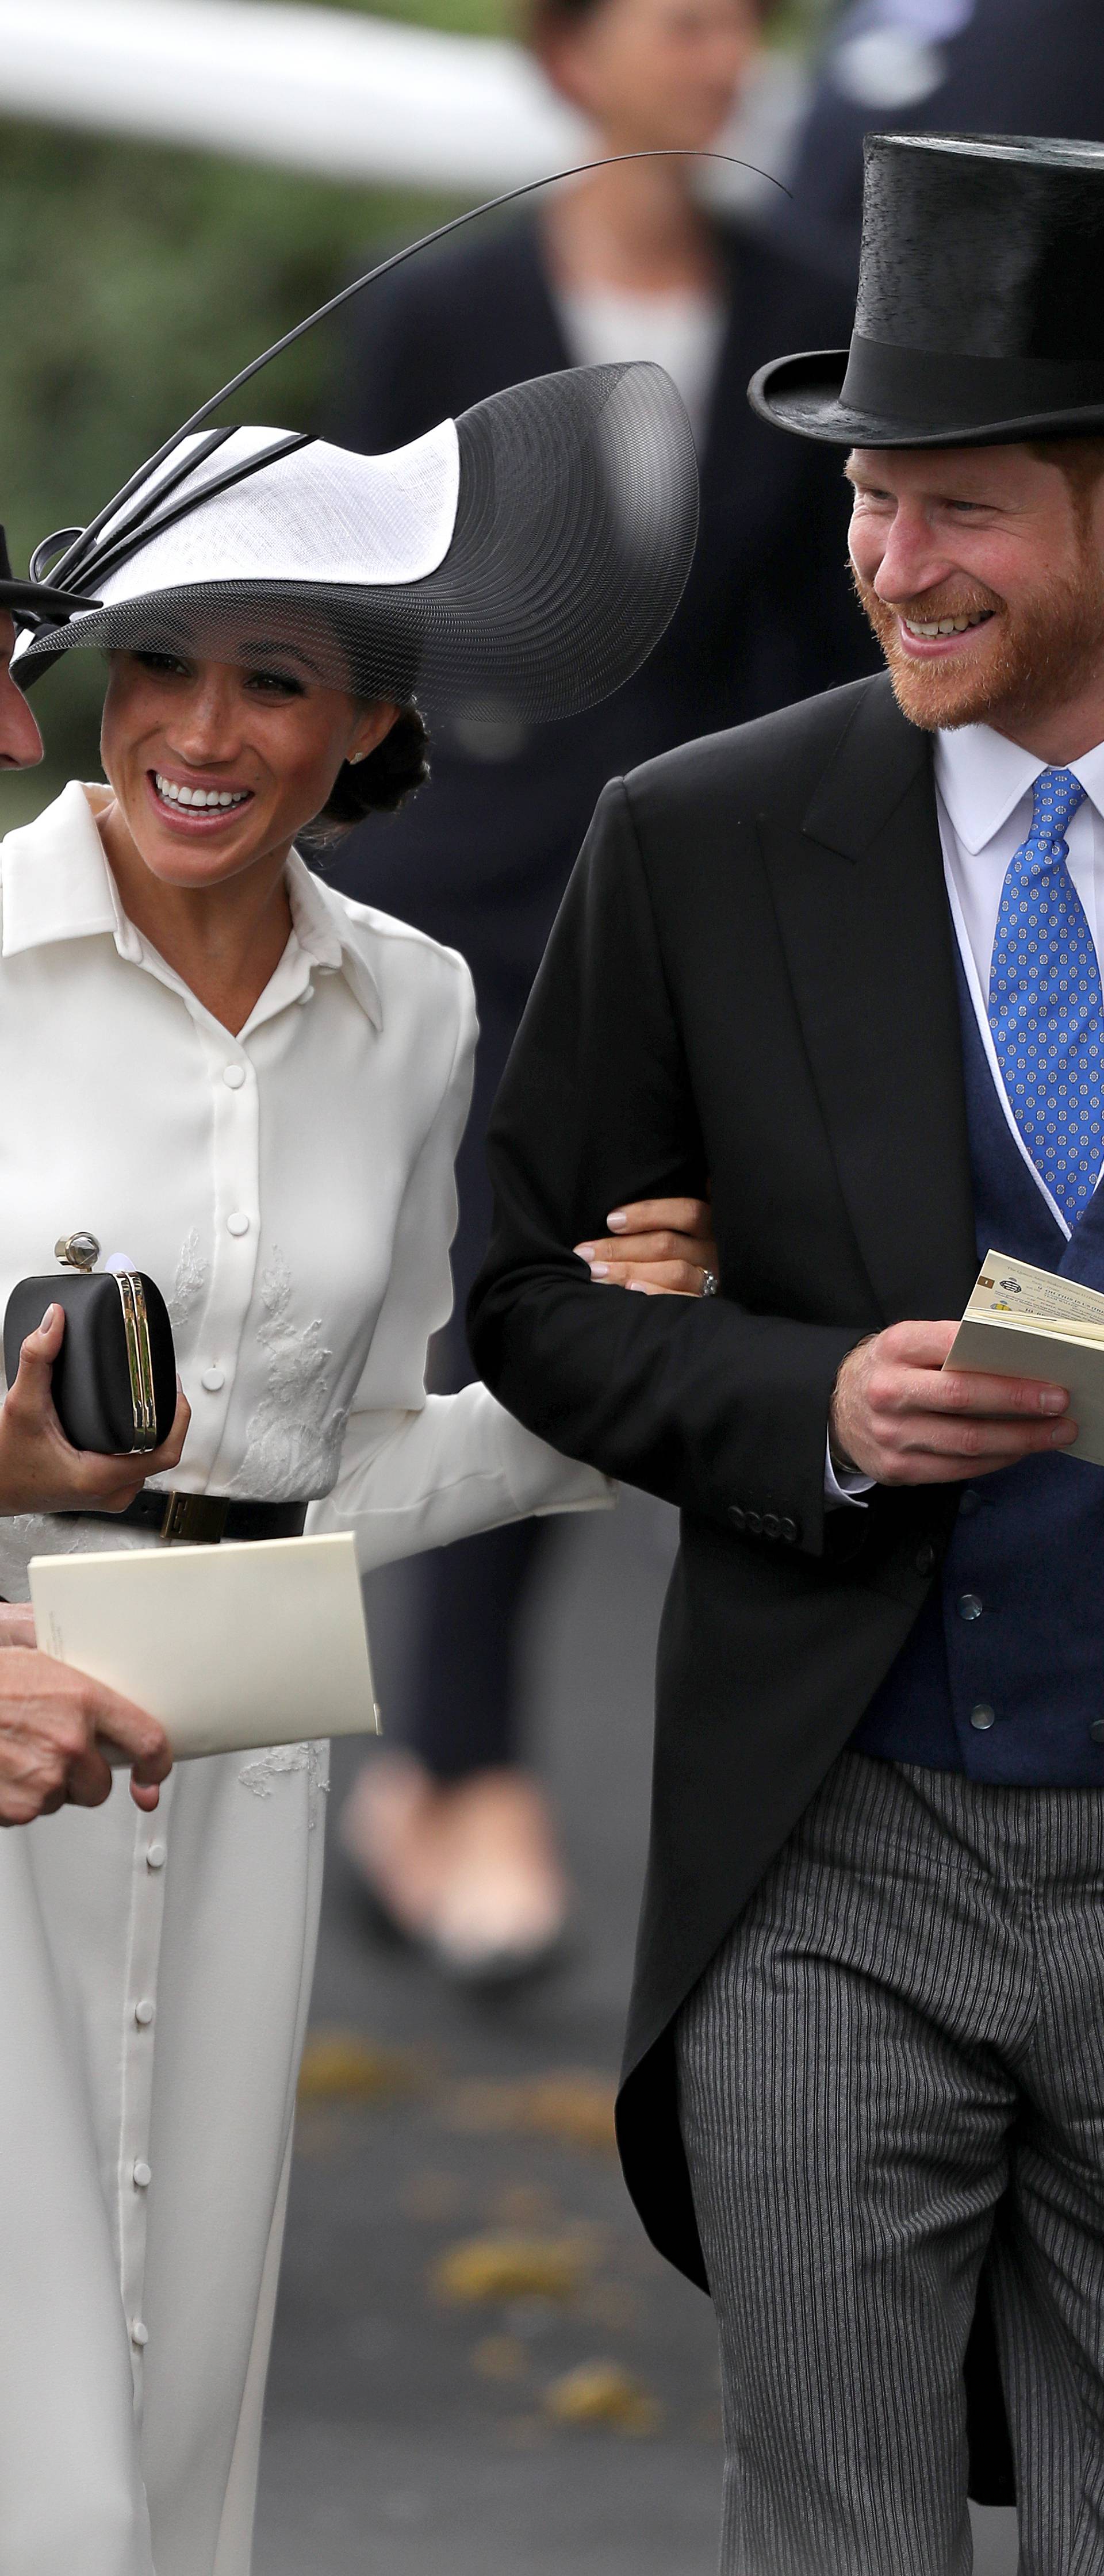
x: 1046, y: 1010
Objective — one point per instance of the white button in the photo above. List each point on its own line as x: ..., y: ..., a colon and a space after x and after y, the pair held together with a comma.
x: 144, y: 2012
x: 238, y: 1223
x: 213, y: 1379
x: 307, y: 995
x: 156, y: 1856
x: 141, y: 2173
x: 139, y: 2333
x: 233, y: 1076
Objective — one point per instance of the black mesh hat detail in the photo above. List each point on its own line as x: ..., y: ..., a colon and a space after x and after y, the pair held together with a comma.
x: 563, y: 560
x: 980, y: 319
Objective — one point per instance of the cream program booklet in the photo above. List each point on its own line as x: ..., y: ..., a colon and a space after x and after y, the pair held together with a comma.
x: 1022, y: 1322
x: 230, y: 1646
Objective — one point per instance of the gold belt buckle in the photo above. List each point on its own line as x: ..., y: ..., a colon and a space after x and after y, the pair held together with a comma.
x: 194, y: 1520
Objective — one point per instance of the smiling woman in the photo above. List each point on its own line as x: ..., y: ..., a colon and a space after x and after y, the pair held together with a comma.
x: 257, y: 1086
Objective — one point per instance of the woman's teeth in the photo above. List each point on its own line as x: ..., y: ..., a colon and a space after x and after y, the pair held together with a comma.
x: 945, y: 625
x: 175, y: 795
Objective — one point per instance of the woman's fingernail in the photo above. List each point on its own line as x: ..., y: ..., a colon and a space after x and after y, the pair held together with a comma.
x: 641, y: 1287
x: 599, y: 1270
x: 47, y: 1320
x: 618, y: 1221
x: 585, y: 1251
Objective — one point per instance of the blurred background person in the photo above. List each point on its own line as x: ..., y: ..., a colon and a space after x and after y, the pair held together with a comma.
x: 453, y: 1839
x: 948, y: 66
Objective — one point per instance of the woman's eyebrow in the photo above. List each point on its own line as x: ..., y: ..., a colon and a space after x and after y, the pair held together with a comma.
x: 260, y: 647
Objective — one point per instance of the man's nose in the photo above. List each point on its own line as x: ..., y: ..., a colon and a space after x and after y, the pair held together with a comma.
x: 912, y: 559
x: 20, y: 739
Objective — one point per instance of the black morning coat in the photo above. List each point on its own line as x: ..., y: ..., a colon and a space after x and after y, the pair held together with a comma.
x: 751, y: 981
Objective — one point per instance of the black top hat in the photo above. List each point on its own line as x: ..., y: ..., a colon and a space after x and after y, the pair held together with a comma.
x: 980, y: 316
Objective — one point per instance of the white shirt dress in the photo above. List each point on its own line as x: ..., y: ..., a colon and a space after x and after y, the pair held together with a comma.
x: 291, y: 1191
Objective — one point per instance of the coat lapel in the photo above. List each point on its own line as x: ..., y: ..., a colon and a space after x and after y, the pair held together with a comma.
x: 863, y: 914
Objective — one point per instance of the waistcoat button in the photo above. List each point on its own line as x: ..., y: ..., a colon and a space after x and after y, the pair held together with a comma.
x: 1096, y: 1730
x: 969, y: 1504
x: 969, y: 1607
x: 982, y: 1716
x: 925, y: 1558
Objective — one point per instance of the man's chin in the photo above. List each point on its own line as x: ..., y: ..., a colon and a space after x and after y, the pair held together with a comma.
x: 941, y: 696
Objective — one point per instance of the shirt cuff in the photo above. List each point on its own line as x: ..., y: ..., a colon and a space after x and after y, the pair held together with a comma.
x: 844, y: 1485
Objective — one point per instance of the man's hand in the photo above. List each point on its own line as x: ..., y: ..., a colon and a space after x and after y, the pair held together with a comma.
x: 40, y: 1471
x: 52, y: 1721
x: 897, y: 1417
x: 664, y: 1246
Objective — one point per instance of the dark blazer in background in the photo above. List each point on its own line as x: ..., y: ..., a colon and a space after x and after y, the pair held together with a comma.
x: 752, y: 978
x: 481, y: 856
x: 1005, y: 67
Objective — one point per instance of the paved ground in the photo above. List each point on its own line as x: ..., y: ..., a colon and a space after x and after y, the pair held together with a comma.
x: 480, y: 2367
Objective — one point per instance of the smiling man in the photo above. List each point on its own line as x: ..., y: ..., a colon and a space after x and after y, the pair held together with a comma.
x: 846, y: 961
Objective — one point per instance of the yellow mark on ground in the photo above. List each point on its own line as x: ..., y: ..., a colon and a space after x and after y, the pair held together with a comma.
x: 602, y: 2393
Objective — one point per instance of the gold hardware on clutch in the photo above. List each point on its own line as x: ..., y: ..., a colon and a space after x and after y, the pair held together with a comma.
x: 194, y: 1520
x: 139, y: 1358
x: 78, y: 1251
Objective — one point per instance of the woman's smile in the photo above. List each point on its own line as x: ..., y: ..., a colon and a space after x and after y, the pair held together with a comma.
x: 188, y: 802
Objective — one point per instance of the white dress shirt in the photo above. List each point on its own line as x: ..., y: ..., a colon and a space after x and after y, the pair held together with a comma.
x: 984, y: 798
x: 291, y: 1189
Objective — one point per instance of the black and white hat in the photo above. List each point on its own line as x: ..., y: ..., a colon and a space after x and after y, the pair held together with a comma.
x: 522, y: 559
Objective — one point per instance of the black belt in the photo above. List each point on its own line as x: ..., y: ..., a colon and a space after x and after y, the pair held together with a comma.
x: 201, y: 1520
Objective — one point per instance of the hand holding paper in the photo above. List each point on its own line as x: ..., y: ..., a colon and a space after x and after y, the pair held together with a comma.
x: 903, y: 1415
x: 230, y: 1647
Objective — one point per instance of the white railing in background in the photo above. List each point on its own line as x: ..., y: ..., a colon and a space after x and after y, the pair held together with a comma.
x: 315, y: 89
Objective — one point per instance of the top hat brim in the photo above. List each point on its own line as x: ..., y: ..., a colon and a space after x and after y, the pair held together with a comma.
x: 804, y: 395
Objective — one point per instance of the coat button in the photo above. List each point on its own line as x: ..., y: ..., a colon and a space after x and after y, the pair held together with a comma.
x: 238, y: 1223
x: 156, y: 1856
x: 753, y: 1523
x: 144, y: 2012
x: 737, y: 1517
x: 791, y: 1529
x: 982, y: 1716
x: 1096, y: 1730
x: 233, y: 1076
x: 214, y: 1379
x: 969, y: 1504
x: 141, y: 2173
x: 969, y: 1607
x: 139, y: 2333
x: 772, y: 1526
x: 925, y: 1558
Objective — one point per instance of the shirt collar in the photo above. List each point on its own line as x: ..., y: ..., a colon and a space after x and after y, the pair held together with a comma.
x: 982, y: 777
x: 58, y: 885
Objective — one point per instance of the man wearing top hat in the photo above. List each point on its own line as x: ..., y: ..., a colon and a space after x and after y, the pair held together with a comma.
x: 50, y: 1717
x: 846, y: 961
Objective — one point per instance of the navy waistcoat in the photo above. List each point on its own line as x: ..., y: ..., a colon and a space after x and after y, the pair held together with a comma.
x: 1003, y: 1674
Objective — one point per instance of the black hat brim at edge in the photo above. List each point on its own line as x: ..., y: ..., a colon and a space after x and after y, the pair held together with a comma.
x: 803, y: 395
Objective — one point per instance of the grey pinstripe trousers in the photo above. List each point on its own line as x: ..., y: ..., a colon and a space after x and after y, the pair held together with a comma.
x: 893, y: 2068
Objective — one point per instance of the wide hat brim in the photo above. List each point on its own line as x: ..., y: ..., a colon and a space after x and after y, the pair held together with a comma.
x: 804, y: 394
x: 574, y: 531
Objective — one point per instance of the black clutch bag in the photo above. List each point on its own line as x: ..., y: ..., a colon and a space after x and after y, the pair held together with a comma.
x: 114, y: 1381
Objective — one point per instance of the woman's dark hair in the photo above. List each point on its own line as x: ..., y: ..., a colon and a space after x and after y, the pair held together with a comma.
x: 541, y: 18
x: 381, y: 782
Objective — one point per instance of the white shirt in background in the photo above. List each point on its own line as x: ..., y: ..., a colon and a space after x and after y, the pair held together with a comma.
x: 681, y: 332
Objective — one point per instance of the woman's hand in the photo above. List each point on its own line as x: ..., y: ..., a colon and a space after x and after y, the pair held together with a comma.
x: 663, y: 1246
x: 40, y: 1471
x: 53, y: 1722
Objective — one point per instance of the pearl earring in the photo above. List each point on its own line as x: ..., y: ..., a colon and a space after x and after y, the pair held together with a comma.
x: 354, y: 756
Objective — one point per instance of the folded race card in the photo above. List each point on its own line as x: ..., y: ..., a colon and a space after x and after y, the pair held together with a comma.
x: 1022, y: 1322
x: 230, y: 1646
